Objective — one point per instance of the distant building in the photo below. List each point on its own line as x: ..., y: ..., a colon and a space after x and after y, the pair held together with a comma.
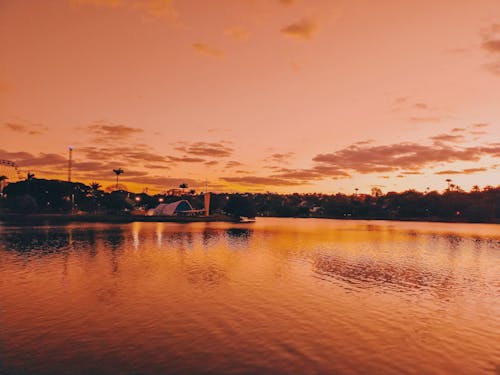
x: 174, y: 192
x: 178, y: 208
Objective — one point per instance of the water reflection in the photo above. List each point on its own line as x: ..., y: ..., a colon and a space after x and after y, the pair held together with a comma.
x: 277, y: 296
x: 396, y: 277
x: 35, y: 241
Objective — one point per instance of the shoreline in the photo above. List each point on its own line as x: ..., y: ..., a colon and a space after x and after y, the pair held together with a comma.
x: 44, y: 219
x: 41, y: 219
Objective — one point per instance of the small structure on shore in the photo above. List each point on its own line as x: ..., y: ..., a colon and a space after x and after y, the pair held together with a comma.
x: 179, y: 208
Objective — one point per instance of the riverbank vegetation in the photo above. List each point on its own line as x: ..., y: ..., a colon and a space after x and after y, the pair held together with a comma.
x: 54, y: 196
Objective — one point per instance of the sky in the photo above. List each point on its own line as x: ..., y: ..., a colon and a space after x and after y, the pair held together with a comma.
x: 253, y: 95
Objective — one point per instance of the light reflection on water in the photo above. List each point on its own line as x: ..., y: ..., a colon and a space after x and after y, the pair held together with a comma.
x: 277, y: 296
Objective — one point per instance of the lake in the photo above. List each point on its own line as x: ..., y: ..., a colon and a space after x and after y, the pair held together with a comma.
x: 279, y: 296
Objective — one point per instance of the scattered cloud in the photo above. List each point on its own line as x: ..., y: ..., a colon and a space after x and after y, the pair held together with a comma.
x: 233, y: 164
x: 205, y: 49
x: 304, y: 29
x: 280, y: 157
x: 185, y: 159
x: 491, y: 44
x: 463, y: 171
x: 209, y: 149
x: 156, y: 166
x: 401, y: 156
x: 165, y: 182
x: 26, y: 160
x: 480, y: 125
x: 104, y: 132
x: 159, y: 7
x: 136, y: 153
x: 448, y: 138
x: 156, y: 8
x: 105, y: 3
x: 237, y: 33
x: 411, y: 172
x: 420, y: 119
x: 456, y: 130
x: 259, y: 180
x: 28, y: 129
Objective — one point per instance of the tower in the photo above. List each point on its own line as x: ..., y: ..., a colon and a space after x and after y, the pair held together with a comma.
x: 70, y: 162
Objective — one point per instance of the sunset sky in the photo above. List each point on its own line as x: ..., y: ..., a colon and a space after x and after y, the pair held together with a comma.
x: 253, y: 95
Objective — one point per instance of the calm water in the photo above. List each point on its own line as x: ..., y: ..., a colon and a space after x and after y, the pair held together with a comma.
x: 279, y: 296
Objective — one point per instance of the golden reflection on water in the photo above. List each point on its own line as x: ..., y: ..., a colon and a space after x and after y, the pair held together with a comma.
x: 276, y: 296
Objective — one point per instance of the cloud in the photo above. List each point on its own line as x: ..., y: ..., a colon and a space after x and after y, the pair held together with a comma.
x: 448, y: 138
x: 27, y: 160
x: 205, y: 49
x: 304, y: 29
x: 159, y: 7
x: 286, y: 2
x: 237, y: 33
x: 209, y: 149
x: 480, y: 125
x: 493, y: 67
x: 280, y: 157
x: 211, y: 163
x: 104, y: 132
x: 420, y: 119
x: 185, y: 159
x: 165, y: 182
x: 156, y: 8
x: 31, y: 129
x: 491, y: 44
x: 411, y: 173
x: 100, y: 3
x: 233, y: 164
x: 456, y: 130
x: 260, y: 180
x: 401, y: 156
x: 463, y: 171
x: 135, y: 153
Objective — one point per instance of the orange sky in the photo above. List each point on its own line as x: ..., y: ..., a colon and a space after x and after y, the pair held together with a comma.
x: 254, y: 95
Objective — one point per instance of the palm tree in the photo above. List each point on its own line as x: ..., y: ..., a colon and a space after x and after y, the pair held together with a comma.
x: 183, y: 186
x: 95, y: 186
x: 30, y: 176
x: 448, y: 180
x: 118, y: 172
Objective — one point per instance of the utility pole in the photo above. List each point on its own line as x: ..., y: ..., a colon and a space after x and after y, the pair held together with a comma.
x: 206, y: 199
x: 70, y: 162
x: 70, y: 166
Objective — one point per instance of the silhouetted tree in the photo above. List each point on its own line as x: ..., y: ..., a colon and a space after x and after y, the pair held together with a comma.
x: 183, y: 186
x: 240, y: 206
x: 118, y: 172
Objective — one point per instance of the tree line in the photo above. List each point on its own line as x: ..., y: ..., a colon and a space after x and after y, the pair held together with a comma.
x: 54, y: 196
